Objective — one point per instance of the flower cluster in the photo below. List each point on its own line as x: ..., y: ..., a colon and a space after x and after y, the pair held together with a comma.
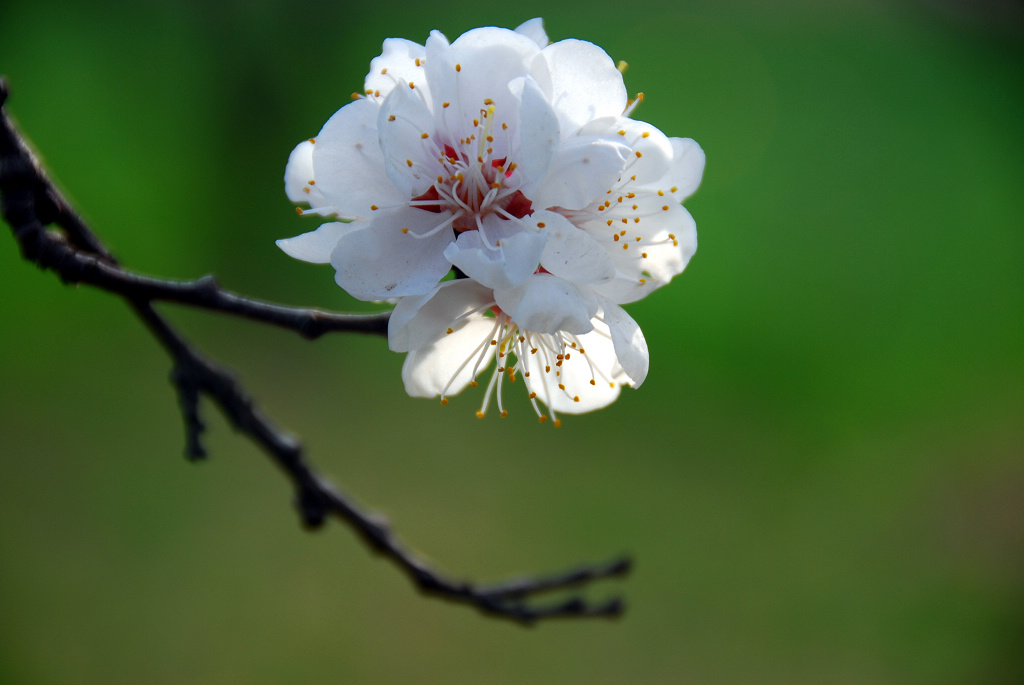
x: 514, y: 164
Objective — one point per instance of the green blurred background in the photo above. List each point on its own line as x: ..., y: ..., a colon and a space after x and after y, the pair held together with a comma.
x: 821, y: 481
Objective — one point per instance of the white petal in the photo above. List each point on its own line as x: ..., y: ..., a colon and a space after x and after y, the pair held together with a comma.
x: 582, y: 171
x: 546, y: 304
x: 401, y: 123
x: 587, y: 85
x: 571, y: 253
x: 650, y: 262
x: 473, y: 70
x: 449, y: 362
x: 534, y: 30
x: 380, y: 261
x: 538, y: 133
x: 654, y: 147
x: 508, y: 264
x: 685, y: 172
x: 421, y: 320
x: 316, y: 246
x: 348, y: 164
x: 597, y: 364
x: 398, y: 62
x: 299, y: 183
x: 630, y: 345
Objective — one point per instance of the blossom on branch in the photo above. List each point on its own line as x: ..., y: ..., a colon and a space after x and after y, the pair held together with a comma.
x: 515, y: 162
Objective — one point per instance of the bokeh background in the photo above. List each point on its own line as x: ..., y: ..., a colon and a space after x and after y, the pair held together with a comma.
x: 822, y: 480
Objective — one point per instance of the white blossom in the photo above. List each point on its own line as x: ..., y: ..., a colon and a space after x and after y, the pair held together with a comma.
x: 516, y: 162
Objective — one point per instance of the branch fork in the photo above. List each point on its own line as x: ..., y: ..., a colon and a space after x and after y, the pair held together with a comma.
x: 30, y: 202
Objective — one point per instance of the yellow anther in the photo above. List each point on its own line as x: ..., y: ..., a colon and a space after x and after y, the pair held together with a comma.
x: 621, y: 66
x: 664, y: 208
x: 305, y: 190
x: 373, y: 208
x: 473, y: 384
x: 644, y: 255
x: 417, y: 61
x: 504, y: 413
x: 622, y: 132
x: 645, y: 134
x: 408, y: 162
x: 444, y: 401
x: 479, y: 414
x: 615, y: 237
x: 405, y: 230
x: 673, y: 189
x: 671, y: 236
x: 449, y: 331
x: 494, y: 342
x: 411, y: 84
x: 541, y: 224
x: 391, y: 118
x: 446, y: 105
x: 541, y: 419
x: 458, y: 67
x: 298, y: 210
x: 576, y: 398
x: 630, y: 195
x: 312, y: 141
x: 661, y: 193
x: 558, y: 423
x: 561, y: 387
x: 384, y: 70
x: 639, y: 154
x: 424, y: 136
x: 488, y: 101
x: 593, y: 382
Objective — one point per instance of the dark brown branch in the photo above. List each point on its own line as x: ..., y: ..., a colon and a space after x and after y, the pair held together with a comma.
x: 30, y: 202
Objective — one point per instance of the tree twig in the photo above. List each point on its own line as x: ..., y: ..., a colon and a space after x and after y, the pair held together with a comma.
x: 30, y: 202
